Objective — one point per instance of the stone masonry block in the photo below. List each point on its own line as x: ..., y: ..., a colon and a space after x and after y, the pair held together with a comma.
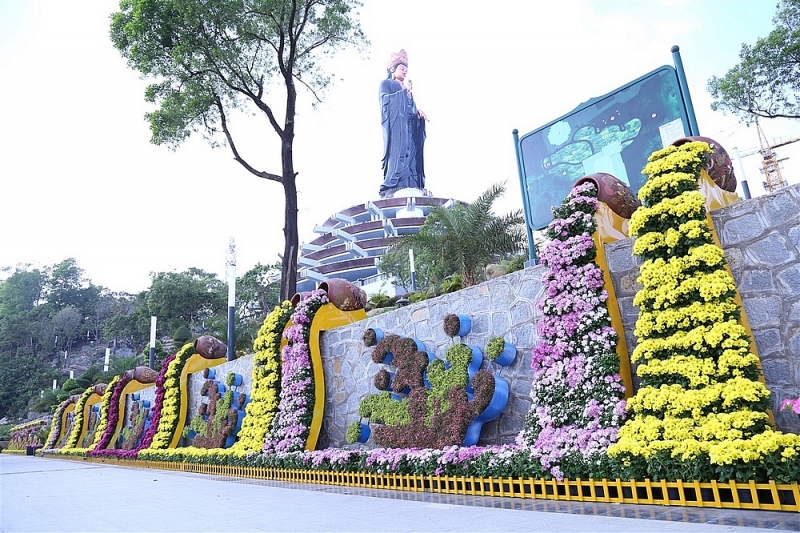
x: 794, y: 347
x: 628, y: 311
x: 521, y: 312
x: 763, y: 312
x: 790, y: 281
x: 502, y: 296
x: 780, y: 208
x: 735, y: 259
x: 480, y: 324
x: 776, y: 371
x: 620, y: 255
x: 628, y: 284
x: 794, y: 236
x: 530, y: 289
x: 756, y: 281
x: 771, y: 250
x: 501, y: 321
x: 422, y: 331
x: 420, y: 315
x: 794, y: 314
x: 741, y: 229
x: 768, y: 341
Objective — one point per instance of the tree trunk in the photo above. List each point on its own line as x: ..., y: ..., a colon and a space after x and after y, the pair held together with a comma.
x: 290, y: 234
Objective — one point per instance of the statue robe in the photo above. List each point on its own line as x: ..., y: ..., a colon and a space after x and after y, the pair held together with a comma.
x: 403, y: 139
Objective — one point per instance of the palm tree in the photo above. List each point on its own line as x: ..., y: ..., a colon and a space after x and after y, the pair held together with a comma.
x: 468, y: 237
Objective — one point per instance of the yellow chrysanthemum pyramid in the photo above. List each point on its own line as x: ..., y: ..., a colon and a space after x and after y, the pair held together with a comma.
x: 700, y: 412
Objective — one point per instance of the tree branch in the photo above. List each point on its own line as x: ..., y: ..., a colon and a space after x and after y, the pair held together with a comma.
x: 236, y: 156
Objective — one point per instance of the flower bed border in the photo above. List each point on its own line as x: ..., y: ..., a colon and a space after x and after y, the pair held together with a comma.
x: 765, y: 496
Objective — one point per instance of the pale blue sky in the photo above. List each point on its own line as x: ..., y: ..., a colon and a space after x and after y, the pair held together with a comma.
x: 80, y: 179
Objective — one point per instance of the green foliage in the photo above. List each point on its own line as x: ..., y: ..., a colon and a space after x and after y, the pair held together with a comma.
x: 467, y: 238
x: 257, y: 293
x: 159, y: 356
x: 382, y: 408
x: 67, y: 287
x: 182, y: 335
x: 380, y: 300
x: 415, y: 297
x: 395, y: 263
x: 459, y: 356
x: 75, y: 386
x: 353, y: 432
x: 516, y: 263
x: 495, y: 347
x: 119, y: 365
x: 223, y: 404
x: 452, y: 284
x: 207, y: 59
x: 767, y: 80
x: 46, y: 403
x: 180, y: 298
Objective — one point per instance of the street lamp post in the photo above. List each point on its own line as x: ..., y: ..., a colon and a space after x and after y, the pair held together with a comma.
x: 152, y: 342
x: 413, y: 270
x: 231, y: 299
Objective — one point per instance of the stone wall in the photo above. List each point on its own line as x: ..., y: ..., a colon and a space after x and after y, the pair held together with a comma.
x: 242, y: 366
x: 501, y: 307
x: 761, y: 239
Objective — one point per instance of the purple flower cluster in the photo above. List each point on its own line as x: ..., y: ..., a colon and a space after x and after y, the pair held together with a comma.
x: 113, y: 418
x: 290, y: 426
x: 55, y: 430
x: 113, y: 414
x: 577, y: 393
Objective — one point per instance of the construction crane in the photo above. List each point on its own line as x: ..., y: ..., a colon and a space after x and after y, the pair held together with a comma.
x: 770, y: 164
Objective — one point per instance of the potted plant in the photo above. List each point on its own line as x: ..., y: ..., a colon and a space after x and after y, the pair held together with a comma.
x: 456, y: 325
x: 357, y: 432
x: 383, y: 379
x: 372, y: 336
x: 209, y: 373
x: 233, y: 379
x: 501, y: 352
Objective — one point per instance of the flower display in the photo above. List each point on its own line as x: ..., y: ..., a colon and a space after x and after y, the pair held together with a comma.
x: 77, y: 422
x: 112, y: 417
x: 55, y: 424
x: 290, y: 427
x: 216, y: 420
x: 265, y: 391
x: 577, y: 392
x: 138, y: 418
x: 700, y: 410
x: 164, y: 413
x: 23, y: 435
x: 432, y: 417
x: 166, y: 407
x: 105, y: 403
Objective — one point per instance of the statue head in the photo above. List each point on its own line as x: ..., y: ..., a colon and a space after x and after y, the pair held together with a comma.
x: 396, y: 59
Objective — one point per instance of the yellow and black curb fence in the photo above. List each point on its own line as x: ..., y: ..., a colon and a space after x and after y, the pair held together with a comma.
x: 770, y: 496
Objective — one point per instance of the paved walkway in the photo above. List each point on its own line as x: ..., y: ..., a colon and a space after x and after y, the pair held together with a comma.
x: 41, y: 494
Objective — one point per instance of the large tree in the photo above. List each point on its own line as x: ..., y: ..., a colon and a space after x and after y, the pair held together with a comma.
x: 767, y: 80
x: 207, y: 59
x: 184, y: 298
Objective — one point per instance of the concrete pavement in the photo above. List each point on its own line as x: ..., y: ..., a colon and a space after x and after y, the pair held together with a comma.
x: 42, y: 494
